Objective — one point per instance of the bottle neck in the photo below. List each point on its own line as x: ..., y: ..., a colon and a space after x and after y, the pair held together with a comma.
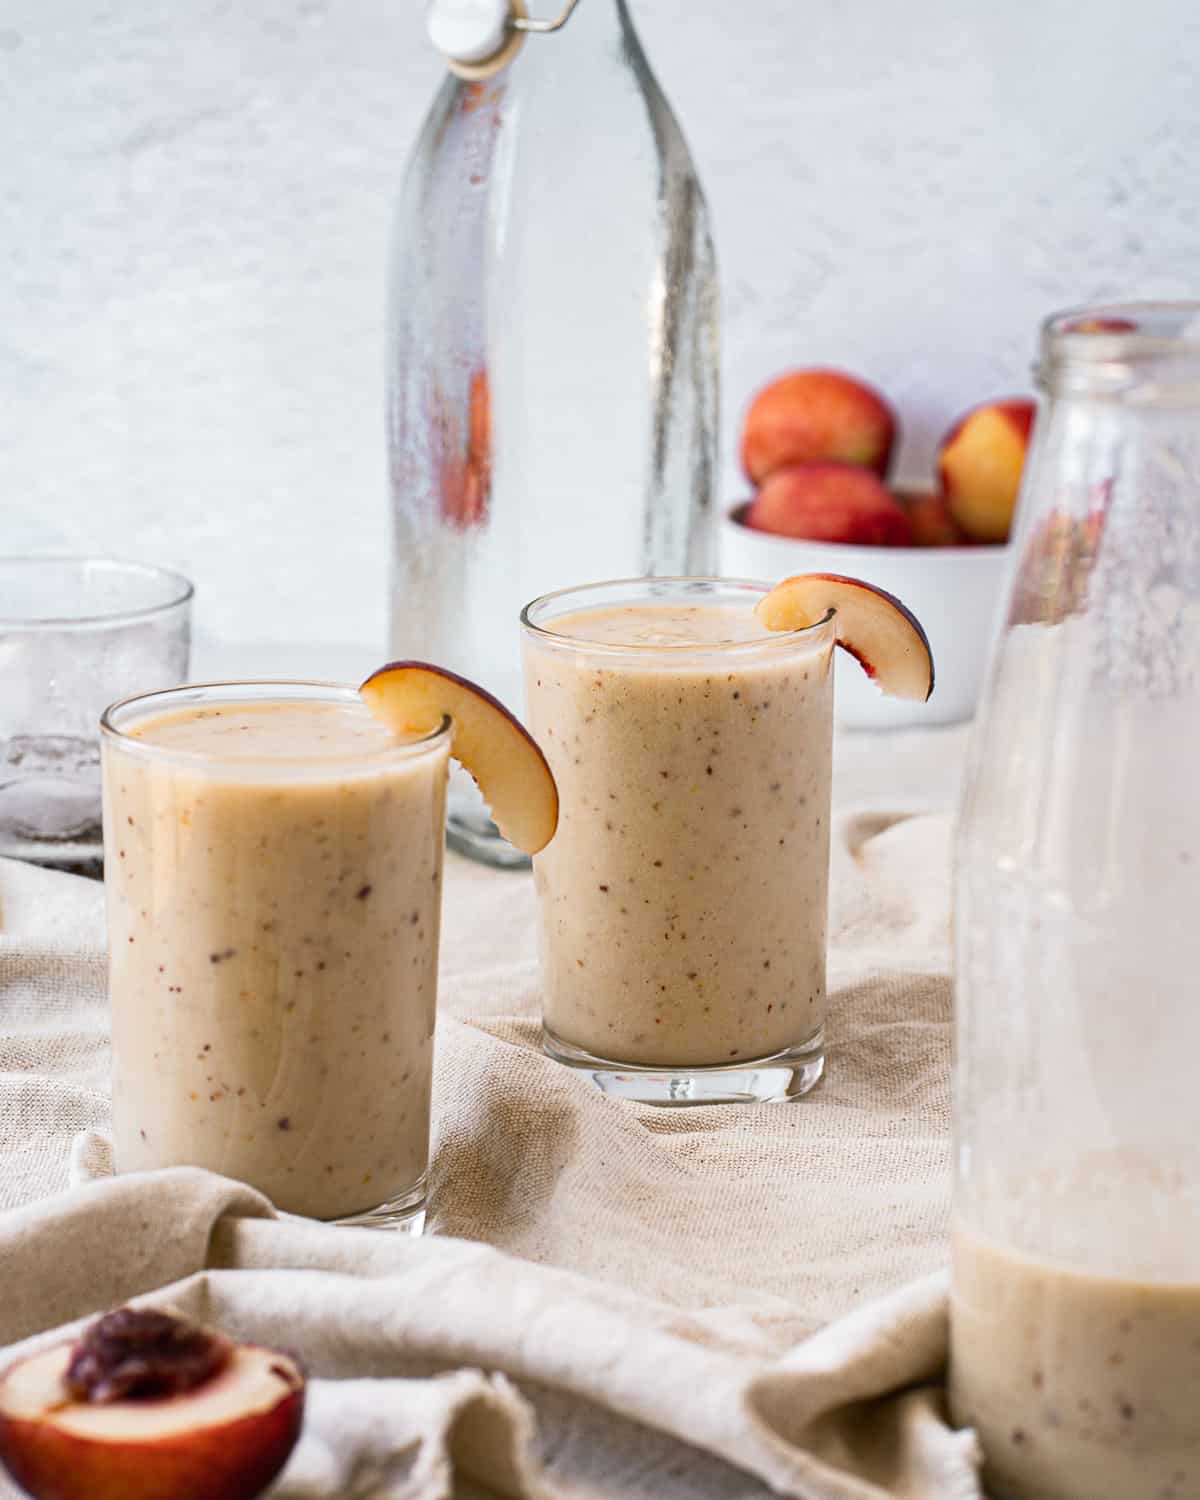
x: 1140, y: 353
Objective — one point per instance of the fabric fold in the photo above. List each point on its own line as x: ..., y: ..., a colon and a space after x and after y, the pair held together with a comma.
x: 466, y: 1352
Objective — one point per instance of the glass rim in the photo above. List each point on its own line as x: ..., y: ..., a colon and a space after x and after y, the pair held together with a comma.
x: 321, y: 691
x: 770, y: 638
x: 1063, y: 341
x: 184, y: 590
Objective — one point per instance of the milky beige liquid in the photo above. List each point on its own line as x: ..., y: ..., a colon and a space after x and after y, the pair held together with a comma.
x: 1080, y: 1386
x: 683, y: 899
x: 273, y: 910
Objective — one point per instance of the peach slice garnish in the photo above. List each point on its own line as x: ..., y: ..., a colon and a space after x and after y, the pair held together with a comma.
x: 223, y: 1439
x: 873, y: 626
x: 413, y: 697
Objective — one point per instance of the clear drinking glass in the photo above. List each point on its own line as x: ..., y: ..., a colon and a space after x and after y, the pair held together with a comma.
x: 1076, y: 1280
x: 683, y: 900
x: 553, y: 354
x: 75, y: 634
x: 274, y: 900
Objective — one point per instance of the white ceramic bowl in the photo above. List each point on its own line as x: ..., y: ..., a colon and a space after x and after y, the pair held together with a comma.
x: 953, y: 591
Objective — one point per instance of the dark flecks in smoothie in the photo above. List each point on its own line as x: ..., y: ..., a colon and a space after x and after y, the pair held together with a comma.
x: 284, y: 1122
x: 362, y: 893
x: 604, y: 888
x: 219, y: 958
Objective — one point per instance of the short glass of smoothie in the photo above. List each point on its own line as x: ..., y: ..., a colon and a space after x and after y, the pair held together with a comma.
x: 682, y: 903
x: 273, y: 872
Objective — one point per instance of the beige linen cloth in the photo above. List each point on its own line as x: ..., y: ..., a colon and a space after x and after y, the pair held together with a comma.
x: 713, y: 1303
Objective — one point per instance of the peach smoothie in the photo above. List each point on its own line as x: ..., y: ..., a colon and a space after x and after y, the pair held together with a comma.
x: 274, y: 860
x: 1081, y: 1386
x: 683, y: 900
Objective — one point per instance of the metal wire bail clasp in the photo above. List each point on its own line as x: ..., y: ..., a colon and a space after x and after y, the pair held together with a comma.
x: 531, y: 23
x: 479, y: 37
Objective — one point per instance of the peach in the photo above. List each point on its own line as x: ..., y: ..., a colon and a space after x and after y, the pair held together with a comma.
x: 980, y: 463
x: 1101, y: 325
x: 932, y: 523
x: 811, y: 415
x: 480, y: 428
x: 829, y: 502
x: 883, y: 635
x: 466, y: 480
x: 413, y: 698
x: 123, y: 1416
x: 1056, y: 565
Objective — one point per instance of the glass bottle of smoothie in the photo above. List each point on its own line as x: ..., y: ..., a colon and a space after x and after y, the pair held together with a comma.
x: 553, y: 341
x: 1075, y: 1349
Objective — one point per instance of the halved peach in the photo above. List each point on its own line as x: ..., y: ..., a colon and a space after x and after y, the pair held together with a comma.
x: 413, y: 697
x: 223, y: 1439
x: 883, y: 635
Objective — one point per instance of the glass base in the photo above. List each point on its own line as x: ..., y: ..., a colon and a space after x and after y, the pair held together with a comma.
x: 476, y: 836
x: 402, y: 1215
x: 763, y: 1080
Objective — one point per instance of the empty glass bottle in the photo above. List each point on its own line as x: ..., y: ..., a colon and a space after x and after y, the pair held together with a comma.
x: 553, y: 345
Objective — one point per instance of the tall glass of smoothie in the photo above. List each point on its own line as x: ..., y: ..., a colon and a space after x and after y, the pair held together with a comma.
x: 683, y: 902
x: 274, y: 864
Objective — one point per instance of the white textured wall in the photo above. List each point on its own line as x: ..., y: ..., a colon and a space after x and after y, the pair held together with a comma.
x: 195, y: 197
